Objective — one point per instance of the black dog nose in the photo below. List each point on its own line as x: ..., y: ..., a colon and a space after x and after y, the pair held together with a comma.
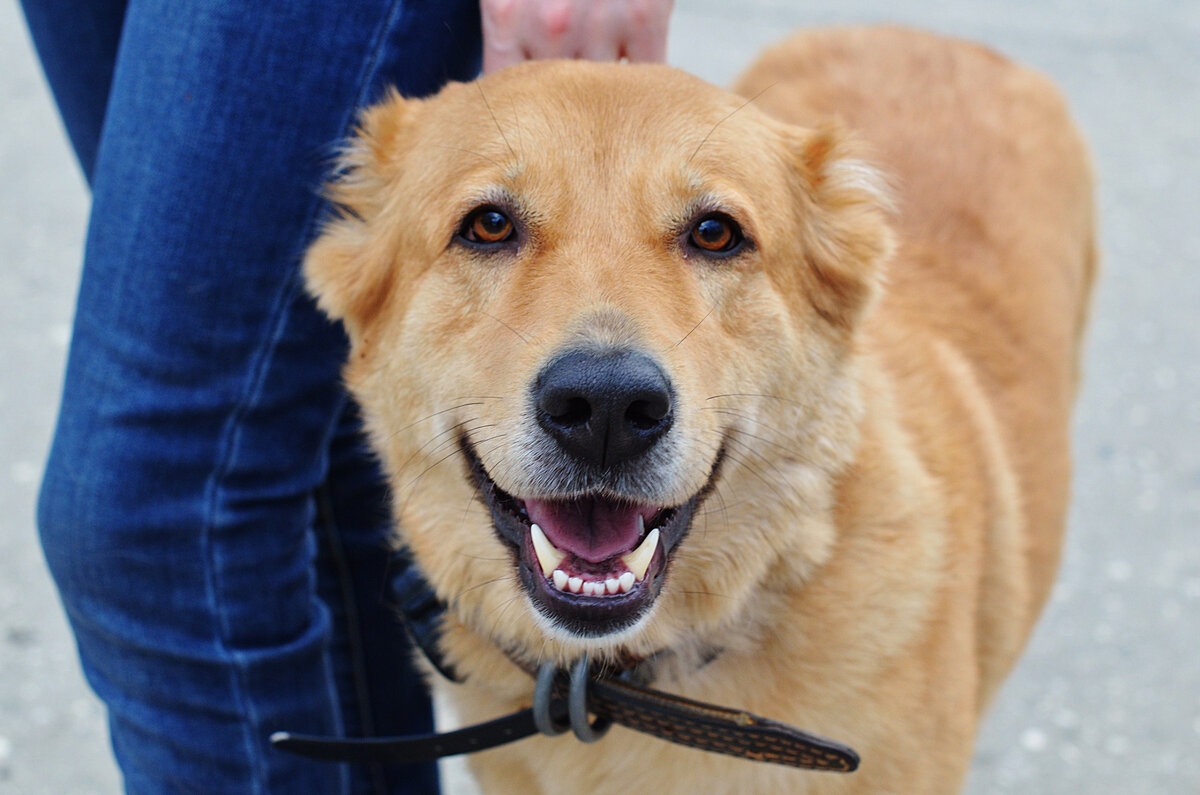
x: 603, y: 408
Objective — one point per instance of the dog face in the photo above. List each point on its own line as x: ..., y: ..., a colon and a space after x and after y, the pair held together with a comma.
x: 602, y: 322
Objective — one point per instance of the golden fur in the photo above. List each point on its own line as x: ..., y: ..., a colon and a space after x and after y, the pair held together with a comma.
x: 891, y: 368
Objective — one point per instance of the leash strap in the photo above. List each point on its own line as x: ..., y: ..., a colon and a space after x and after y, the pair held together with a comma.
x: 416, y: 748
x: 679, y: 720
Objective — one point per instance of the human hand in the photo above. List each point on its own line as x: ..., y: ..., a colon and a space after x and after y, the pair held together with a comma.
x: 596, y: 30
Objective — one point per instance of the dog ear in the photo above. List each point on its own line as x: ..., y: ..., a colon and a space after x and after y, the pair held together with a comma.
x: 348, y: 269
x: 843, y: 203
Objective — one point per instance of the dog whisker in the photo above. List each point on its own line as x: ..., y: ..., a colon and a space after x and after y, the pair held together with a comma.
x: 520, y: 336
x: 730, y: 115
x: 469, y: 152
x: 706, y: 593
x: 790, y: 450
x: 498, y: 612
x: 413, y: 484
x: 477, y: 585
x: 520, y: 130
x: 492, y: 113
x: 755, y: 395
x: 751, y: 449
x: 754, y: 470
x: 451, y: 438
x: 723, y: 510
x: 711, y: 308
x: 437, y: 413
x: 741, y: 432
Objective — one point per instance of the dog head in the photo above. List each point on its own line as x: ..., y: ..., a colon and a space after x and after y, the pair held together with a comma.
x: 602, y: 322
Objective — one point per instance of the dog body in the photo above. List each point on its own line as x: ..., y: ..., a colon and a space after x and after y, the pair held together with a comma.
x: 850, y: 422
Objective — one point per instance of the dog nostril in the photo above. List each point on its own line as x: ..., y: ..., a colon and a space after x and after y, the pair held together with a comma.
x: 646, y: 414
x: 575, y: 411
x: 565, y: 405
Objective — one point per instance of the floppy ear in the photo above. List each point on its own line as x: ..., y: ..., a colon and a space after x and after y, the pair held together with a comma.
x: 348, y: 269
x: 843, y: 204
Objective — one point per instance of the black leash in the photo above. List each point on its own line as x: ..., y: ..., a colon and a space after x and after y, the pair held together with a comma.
x: 564, y: 701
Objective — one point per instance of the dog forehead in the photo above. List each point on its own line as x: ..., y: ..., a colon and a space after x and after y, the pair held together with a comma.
x: 601, y: 134
x: 606, y: 112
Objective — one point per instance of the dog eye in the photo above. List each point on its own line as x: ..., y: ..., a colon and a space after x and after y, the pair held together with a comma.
x: 487, y: 226
x: 716, y: 233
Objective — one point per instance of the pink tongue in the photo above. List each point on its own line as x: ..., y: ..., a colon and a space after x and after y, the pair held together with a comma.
x: 593, y: 529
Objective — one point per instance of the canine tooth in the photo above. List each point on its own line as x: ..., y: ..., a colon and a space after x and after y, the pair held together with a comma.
x: 625, y: 581
x: 639, y: 559
x: 611, y: 585
x: 548, y: 555
x: 575, y: 584
x: 560, y: 579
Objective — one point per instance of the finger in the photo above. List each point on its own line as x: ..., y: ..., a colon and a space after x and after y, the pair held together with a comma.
x: 500, y: 19
x: 645, y: 34
x: 496, y: 57
x: 601, y: 34
x: 552, y: 29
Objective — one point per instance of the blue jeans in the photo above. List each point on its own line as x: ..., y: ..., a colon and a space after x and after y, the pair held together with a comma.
x: 216, y: 529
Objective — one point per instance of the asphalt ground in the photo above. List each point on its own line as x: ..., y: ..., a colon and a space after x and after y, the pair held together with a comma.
x: 1107, y: 697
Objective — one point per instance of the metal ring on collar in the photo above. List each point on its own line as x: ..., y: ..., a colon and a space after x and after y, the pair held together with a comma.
x: 542, y: 718
x: 577, y: 705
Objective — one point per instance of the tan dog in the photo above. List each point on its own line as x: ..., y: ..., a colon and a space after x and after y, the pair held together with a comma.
x: 748, y: 406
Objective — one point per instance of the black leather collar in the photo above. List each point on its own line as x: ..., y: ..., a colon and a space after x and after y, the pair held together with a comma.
x: 563, y: 700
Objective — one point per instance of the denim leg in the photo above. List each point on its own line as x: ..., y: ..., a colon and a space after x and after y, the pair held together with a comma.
x: 77, y: 43
x: 202, y: 395
x: 381, y: 695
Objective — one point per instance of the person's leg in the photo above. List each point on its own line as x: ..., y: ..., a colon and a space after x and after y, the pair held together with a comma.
x: 77, y: 42
x: 380, y: 695
x: 202, y: 386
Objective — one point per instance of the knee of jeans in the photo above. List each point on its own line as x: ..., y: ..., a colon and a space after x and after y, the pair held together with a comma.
x: 74, y: 524
x: 103, y: 531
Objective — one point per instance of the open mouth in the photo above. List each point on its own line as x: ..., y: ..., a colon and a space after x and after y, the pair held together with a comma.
x: 592, y: 564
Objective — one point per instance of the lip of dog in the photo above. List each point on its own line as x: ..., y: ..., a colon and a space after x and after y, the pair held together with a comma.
x: 590, y: 562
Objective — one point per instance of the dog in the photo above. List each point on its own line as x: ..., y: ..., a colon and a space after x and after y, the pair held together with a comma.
x: 771, y: 385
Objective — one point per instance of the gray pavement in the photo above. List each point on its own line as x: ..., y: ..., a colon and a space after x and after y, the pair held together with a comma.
x: 1107, y: 699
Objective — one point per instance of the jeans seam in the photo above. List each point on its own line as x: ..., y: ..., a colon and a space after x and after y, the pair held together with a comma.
x: 259, y: 366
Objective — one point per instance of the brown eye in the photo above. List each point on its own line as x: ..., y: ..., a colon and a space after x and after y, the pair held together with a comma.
x: 486, y: 226
x: 716, y: 233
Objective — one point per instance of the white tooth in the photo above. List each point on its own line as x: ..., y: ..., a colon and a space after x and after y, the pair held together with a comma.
x: 560, y: 579
x: 612, y: 585
x: 589, y: 589
x: 626, y: 582
x: 575, y: 584
x: 548, y: 555
x: 639, y: 559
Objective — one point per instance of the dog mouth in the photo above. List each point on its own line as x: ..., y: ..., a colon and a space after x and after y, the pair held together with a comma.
x: 592, y: 564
